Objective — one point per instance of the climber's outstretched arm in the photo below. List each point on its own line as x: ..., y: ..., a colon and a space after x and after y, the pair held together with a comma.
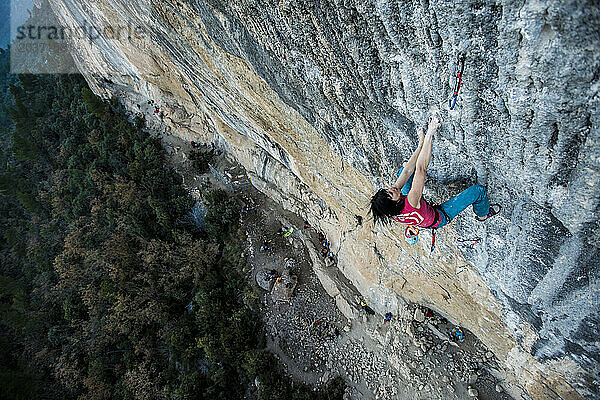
x: 409, y: 167
x: 416, y: 191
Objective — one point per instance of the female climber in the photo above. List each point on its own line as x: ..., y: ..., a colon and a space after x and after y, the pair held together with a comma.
x: 403, y: 200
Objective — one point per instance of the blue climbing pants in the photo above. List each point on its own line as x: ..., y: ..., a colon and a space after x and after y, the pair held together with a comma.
x: 475, y: 195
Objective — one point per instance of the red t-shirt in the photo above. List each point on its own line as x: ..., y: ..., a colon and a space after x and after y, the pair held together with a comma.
x: 422, y: 217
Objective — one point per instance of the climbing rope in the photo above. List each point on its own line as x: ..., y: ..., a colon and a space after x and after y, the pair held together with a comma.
x: 460, y: 66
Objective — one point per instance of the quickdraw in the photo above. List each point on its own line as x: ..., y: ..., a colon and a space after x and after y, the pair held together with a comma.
x: 460, y: 66
x: 463, y: 244
x: 440, y: 211
x: 467, y: 243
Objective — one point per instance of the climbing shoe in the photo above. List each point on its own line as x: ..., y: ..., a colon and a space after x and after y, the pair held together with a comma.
x: 494, y: 209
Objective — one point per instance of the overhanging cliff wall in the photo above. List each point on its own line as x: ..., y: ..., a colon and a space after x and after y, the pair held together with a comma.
x: 320, y: 102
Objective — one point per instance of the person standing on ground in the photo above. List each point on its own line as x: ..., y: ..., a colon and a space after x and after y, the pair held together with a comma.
x: 403, y: 201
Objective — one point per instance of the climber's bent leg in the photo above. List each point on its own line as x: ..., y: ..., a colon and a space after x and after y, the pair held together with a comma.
x: 475, y: 195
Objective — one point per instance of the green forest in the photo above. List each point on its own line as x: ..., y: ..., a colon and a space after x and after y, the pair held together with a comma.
x: 107, y: 288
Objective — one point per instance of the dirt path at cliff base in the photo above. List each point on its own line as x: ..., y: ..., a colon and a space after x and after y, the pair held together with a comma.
x: 400, y: 359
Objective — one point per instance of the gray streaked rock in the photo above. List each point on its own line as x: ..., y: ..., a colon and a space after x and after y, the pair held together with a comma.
x: 472, y: 378
x: 292, y: 90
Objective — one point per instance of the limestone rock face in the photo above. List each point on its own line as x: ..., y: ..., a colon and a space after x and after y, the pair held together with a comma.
x: 320, y: 101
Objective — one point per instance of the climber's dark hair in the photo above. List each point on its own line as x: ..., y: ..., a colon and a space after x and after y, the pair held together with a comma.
x: 383, y: 207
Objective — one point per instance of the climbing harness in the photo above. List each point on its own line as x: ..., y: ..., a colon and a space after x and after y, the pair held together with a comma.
x: 412, y: 238
x: 439, y: 212
x: 460, y: 66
